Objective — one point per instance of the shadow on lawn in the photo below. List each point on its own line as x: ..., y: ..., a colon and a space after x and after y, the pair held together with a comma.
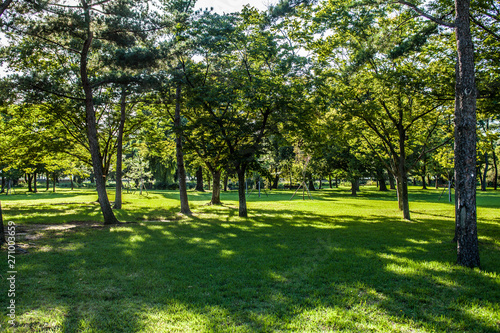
x: 264, y: 273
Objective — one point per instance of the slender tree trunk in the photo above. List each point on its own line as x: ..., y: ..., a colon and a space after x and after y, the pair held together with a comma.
x: 320, y: 183
x: 72, y: 182
x: 95, y: 153
x: 199, y: 179
x: 216, y: 188
x: 403, y: 177
x: 465, y: 141
x: 2, y: 229
x: 436, y: 183
x: 484, y: 182
x: 181, y: 171
x: 242, y: 211
x: 336, y: 182
x: 119, y: 151
x: 34, y: 182
x: 54, y: 179
x: 3, y: 184
x: 226, y: 180
x: 495, y: 167
x: 47, y: 181
x: 330, y: 181
x: 424, y: 185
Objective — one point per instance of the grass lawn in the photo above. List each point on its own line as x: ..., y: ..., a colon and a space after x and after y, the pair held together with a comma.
x: 337, y: 263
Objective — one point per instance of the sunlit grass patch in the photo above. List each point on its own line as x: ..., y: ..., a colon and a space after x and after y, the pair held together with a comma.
x: 335, y: 263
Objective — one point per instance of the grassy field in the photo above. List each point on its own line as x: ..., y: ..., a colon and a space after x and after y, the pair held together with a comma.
x: 336, y: 263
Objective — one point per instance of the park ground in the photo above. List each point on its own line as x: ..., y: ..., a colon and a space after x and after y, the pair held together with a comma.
x: 332, y: 264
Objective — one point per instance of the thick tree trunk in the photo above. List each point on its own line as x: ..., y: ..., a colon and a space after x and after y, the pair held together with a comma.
x: 119, y: 152
x: 95, y: 153
x: 381, y: 180
x: 424, y: 185
x: 29, y: 177
x: 242, y: 211
x: 216, y: 188
x: 181, y: 171
x: 311, y: 184
x: 354, y: 186
x: 199, y: 180
x: 484, y: 182
x: 465, y: 141
x: 392, y: 185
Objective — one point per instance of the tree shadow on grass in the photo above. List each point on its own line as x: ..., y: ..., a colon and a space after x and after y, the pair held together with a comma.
x: 264, y: 273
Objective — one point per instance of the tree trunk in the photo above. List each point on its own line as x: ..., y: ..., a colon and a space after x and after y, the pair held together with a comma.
x: 72, y: 182
x: 2, y: 229
x: 242, y: 211
x: 181, y: 171
x: 3, y: 184
x: 95, y: 153
x: 392, y: 186
x: 465, y: 141
x: 276, y: 179
x: 484, y: 182
x: 436, y: 183
x: 311, y: 184
x: 381, y: 180
x: 29, y: 177
x: 330, y: 181
x: 226, y: 180
x: 495, y: 167
x: 199, y: 180
x: 354, y: 186
x: 336, y: 182
x: 47, y: 181
x: 320, y: 183
x: 34, y: 182
x: 119, y: 152
x: 216, y: 188
x: 424, y: 185
x: 54, y: 179
x: 403, y: 177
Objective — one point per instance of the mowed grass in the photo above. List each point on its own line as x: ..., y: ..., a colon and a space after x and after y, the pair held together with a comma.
x: 336, y: 263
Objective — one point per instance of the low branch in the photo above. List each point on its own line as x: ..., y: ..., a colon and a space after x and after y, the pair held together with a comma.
x: 424, y: 14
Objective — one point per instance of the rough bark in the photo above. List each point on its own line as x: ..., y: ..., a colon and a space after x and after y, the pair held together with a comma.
x: 216, y: 188
x: 181, y: 171
x: 119, y: 152
x: 199, y: 180
x: 242, y: 211
x: 465, y: 141
x: 95, y: 153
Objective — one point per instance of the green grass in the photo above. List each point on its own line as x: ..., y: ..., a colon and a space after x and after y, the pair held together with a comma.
x: 336, y: 263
